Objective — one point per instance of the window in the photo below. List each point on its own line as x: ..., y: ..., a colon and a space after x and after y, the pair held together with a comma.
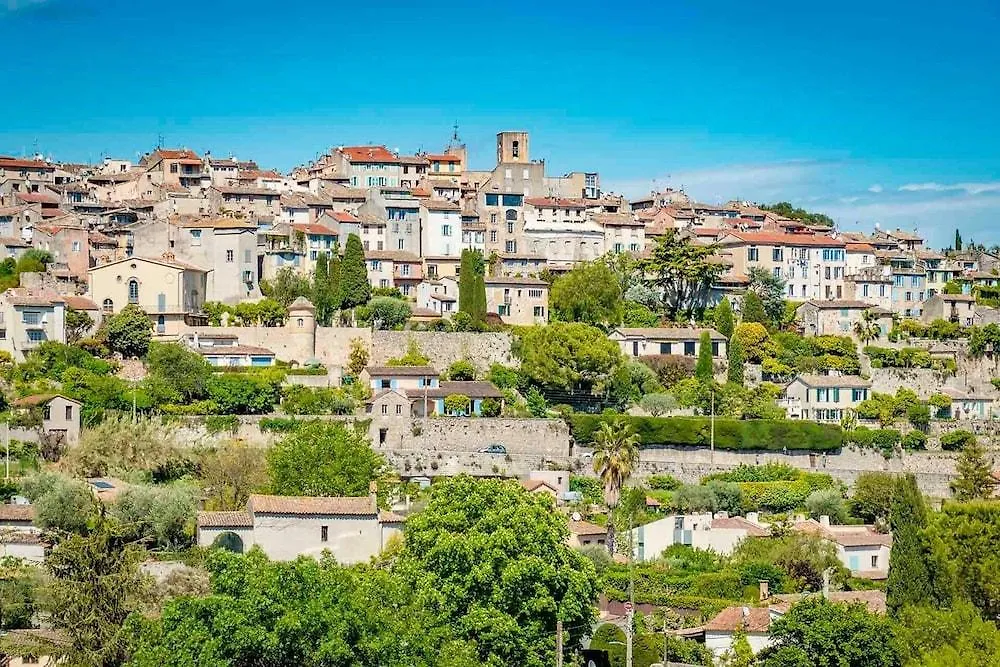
x: 875, y: 562
x: 404, y: 270
x: 76, y: 246
x: 665, y: 348
x: 69, y: 412
x: 493, y: 237
x: 399, y: 409
x: 445, y: 230
x: 858, y: 395
x: 36, y: 335
x: 689, y: 348
x: 230, y: 255
x: 715, y: 348
x: 512, y: 200
x: 510, y: 227
x: 777, y: 272
x: 399, y: 244
x: 247, y: 257
x: 864, y: 290
x: 508, y: 174
x: 195, y: 237
x: 835, y: 395
x: 510, y: 246
x: 539, y: 311
x: 385, y: 409
x: 493, y: 218
x: 752, y: 254
x: 384, y: 282
x: 826, y: 272
x: 492, y: 199
x: 525, y: 174
x: 535, y: 293
x: 777, y: 254
x: 133, y: 290
x: 324, y: 531
x: 173, y: 168
x: 511, y: 214
x: 515, y: 148
x: 108, y: 306
x: 31, y: 317
x: 821, y: 396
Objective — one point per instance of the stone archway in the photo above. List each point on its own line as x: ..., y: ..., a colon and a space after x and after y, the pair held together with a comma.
x: 229, y: 541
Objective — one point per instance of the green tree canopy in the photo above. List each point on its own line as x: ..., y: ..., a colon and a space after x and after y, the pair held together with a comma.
x: 975, y: 474
x: 129, y: 332
x: 724, y: 322
x: 472, y: 285
x: 590, y: 293
x: 286, y: 286
x: 683, y: 272
x: 753, y: 309
x: 565, y: 355
x: 183, y: 369
x: 785, y: 209
x: 912, y: 576
x: 704, y: 369
x: 323, y: 458
x: 493, y: 561
x: 931, y: 637
x: 818, y: 632
x: 735, y: 372
x: 771, y: 290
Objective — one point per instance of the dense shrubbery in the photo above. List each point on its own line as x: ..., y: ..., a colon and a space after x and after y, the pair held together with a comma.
x: 299, y: 400
x: 905, y: 357
x: 762, y: 434
x: 957, y: 440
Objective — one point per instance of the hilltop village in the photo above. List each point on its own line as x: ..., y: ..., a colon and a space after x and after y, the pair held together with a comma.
x: 390, y: 410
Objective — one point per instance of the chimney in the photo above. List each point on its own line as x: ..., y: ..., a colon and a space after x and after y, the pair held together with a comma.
x: 753, y: 517
x: 765, y: 589
x: 373, y: 492
x: 824, y: 521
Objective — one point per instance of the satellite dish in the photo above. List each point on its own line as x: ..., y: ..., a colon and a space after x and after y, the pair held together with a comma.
x: 576, y: 516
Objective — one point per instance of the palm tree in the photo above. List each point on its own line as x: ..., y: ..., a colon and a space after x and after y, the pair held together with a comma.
x: 867, y: 328
x: 616, y: 453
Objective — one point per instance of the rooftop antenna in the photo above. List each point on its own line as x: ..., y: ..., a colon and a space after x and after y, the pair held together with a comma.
x: 159, y: 141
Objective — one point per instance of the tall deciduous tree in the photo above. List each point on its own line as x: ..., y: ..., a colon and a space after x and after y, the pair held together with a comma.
x: 589, y: 293
x: 355, y: 290
x: 493, y: 562
x: 724, y: 322
x: 96, y: 585
x: 975, y: 474
x: 323, y: 459
x: 286, y: 286
x: 771, y: 290
x: 129, y: 332
x: 818, y: 632
x: 565, y: 355
x: 683, y: 271
x: 703, y: 369
x: 616, y: 454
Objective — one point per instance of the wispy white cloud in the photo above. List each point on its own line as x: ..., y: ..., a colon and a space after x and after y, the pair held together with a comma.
x: 875, y: 188
x: 968, y: 188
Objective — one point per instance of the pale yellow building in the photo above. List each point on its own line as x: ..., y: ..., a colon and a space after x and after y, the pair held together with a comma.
x: 519, y: 301
x: 165, y: 288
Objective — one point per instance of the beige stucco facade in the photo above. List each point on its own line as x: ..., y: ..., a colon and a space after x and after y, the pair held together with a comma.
x: 518, y: 301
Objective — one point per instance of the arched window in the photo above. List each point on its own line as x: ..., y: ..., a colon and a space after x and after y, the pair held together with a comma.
x: 301, y: 322
x: 511, y: 214
x: 133, y: 290
x: 108, y: 306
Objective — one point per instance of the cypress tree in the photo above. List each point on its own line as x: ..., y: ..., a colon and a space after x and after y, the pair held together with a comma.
x: 975, y: 478
x: 465, y: 304
x: 355, y: 289
x: 333, y: 282
x: 753, y: 308
x: 737, y: 361
x: 703, y: 370
x: 911, y: 578
x: 472, y: 285
x: 724, y: 318
x: 958, y: 240
x: 321, y: 291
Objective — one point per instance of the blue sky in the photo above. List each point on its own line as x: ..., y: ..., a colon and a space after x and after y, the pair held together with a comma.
x: 872, y: 112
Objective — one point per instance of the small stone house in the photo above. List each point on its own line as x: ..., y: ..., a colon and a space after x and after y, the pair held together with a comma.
x: 586, y: 534
x: 352, y: 529
x: 407, y: 378
x: 958, y: 308
x: 830, y: 318
x: 861, y: 549
x: 719, y: 532
x: 477, y: 392
x: 60, y: 415
x: 635, y: 342
x: 967, y: 405
x: 824, y: 398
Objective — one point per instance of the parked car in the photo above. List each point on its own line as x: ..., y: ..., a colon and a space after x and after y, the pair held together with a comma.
x: 495, y: 448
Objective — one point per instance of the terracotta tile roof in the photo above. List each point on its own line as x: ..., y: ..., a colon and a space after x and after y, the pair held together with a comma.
x: 173, y: 263
x: 860, y: 247
x: 445, y: 185
x: 587, y: 528
x: 739, y: 523
x: 730, y: 619
x: 12, y: 242
x: 79, y: 303
x: 964, y: 298
x: 443, y: 157
x: 851, y: 381
x: 314, y: 229
x: 225, y: 520
x: 845, y: 536
x: 390, y: 517
x: 420, y: 192
x: 443, y: 297
x: 40, y: 399
x: 440, y: 205
x: 254, y: 174
x: 843, y: 303
x: 369, y: 154
x: 36, y: 198
x: 874, y: 600
x: 258, y: 192
x: 98, y: 238
x: 16, y: 163
x: 28, y: 296
x: 230, y: 350
x: 555, y: 202
x: 224, y: 222
x: 779, y: 238
x: 617, y: 220
x: 17, y: 512
x: 401, y: 371
x: 413, y: 159
x: 306, y: 505
x: 535, y: 484
x: 904, y: 236
x: 668, y: 333
x: 470, y: 389
x: 392, y: 255
x: 182, y: 154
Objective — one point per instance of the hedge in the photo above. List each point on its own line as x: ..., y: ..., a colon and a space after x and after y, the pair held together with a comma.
x: 774, y: 496
x: 278, y: 424
x: 735, y: 434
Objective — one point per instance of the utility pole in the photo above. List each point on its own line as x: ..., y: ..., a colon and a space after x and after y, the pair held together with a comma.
x: 712, y: 422
x: 664, y: 639
x: 559, y: 643
x: 6, y: 444
x: 630, y: 613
